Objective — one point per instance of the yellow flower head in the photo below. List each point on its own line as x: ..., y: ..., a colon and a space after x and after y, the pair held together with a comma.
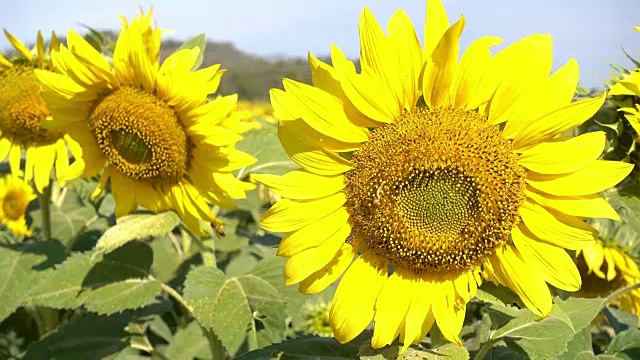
x: 149, y: 128
x: 424, y: 174
x: 608, y: 266
x: 22, y: 111
x: 15, y: 196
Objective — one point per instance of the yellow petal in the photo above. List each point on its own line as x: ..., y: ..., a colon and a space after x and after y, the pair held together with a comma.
x: 377, y: 56
x: 5, y: 147
x: 587, y: 206
x: 438, y: 76
x: 551, y: 94
x: 352, y: 308
x: 40, y: 49
x: 418, y: 312
x: 44, y: 165
x: 301, y: 185
x: 598, y: 176
x: 564, y: 156
x: 307, y: 151
x: 505, y: 75
x: 63, y: 86
x: 62, y: 157
x: 321, y: 279
x: 15, y: 155
x: 556, y: 228
x: 213, y: 135
x: 611, y: 266
x: 121, y: 189
x: 327, y: 78
x: 511, y: 271
x: 436, y: 23
x: 448, y: 317
x: 19, y: 46
x: 301, y: 265
x: 391, y: 307
x: 289, y: 215
x: 467, y: 78
x: 322, y: 111
x: 594, y: 257
x: 370, y: 95
x: 312, y: 234
x: 557, y: 121
x: 551, y: 262
x: 403, y: 38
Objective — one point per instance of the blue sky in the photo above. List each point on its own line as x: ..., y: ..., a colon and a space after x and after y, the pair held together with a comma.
x: 592, y: 31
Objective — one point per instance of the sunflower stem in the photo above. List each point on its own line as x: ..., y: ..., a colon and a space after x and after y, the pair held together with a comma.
x: 45, y: 207
x: 217, y: 349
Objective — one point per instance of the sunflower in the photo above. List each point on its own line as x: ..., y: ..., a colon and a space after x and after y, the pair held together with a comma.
x: 148, y: 128
x: 609, y: 265
x: 15, y: 196
x: 22, y: 111
x: 423, y: 174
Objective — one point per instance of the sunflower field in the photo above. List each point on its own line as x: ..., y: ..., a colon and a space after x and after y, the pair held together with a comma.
x: 422, y: 202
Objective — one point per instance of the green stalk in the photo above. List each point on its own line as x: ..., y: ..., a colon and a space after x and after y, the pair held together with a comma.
x: 45, y: 209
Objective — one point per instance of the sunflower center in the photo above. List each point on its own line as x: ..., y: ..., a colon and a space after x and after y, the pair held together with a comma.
x: 141, y: 136
x: 14, y: 204
x: 21, y: 107
x: 436, y: 191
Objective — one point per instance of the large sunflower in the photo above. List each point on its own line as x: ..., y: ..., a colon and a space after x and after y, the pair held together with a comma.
x: 15, y: 196
x: 423, y: 174
x: 148, y: 127
x: 21, y: 112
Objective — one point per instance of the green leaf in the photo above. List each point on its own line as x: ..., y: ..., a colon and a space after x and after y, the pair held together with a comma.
x: 494, y: 294
x: 307, y: 347
x: 265, y: 146
x: 447, y: 351
x: 127, y: 294
x: 137, y: 226
x: 246, y: 312
x: 626, y: 345
x: 189, y: 343
x: 240, y: 264
x: 579, y: 310
x: 537, y: 338
x: 121, y: 280
x: 620, y: 320
x: 22, y: 268
x: 200, y: 41
x: 86, y: 337
x: 62, y: 284
x: 579, y: 344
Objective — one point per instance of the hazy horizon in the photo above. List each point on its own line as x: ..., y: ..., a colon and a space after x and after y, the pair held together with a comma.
x: 592, y: 31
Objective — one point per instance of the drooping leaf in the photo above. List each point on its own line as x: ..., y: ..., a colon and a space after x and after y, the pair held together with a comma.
x: 580, y: 345
x: 200, y: 41
x: 137, y: 226
x: 22, y: 267
x: 60, y: 288
x: 127, y: 294
x: 626, y: 345
x: 447, y: 351
x: 246, y: 312
x: 536, y: 338
x: 87, y: 337
x: 308, y: 347
x: 189, y: 343
x: 121, y: 280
